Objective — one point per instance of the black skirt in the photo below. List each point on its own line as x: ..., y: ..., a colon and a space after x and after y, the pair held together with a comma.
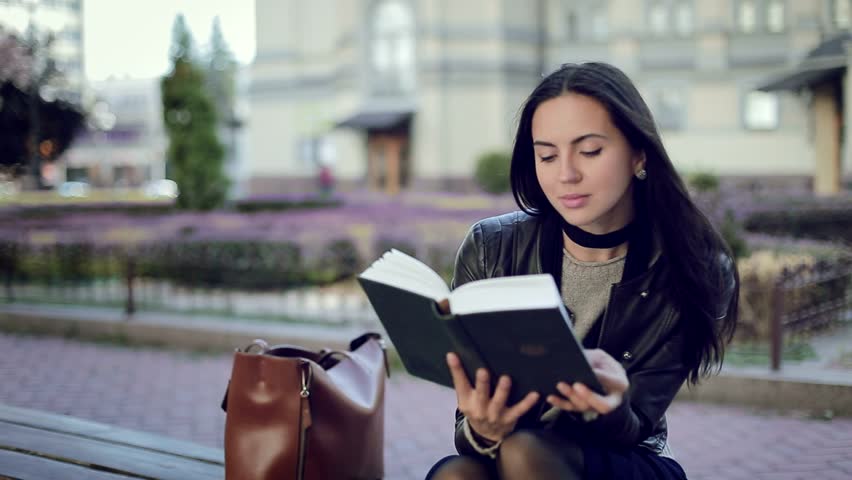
x: 636, y: 464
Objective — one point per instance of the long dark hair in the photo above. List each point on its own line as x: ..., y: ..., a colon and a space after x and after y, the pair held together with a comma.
x: 690, y: 243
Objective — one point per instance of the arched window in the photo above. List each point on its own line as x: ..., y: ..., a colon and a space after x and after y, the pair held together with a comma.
x: 392, y: 46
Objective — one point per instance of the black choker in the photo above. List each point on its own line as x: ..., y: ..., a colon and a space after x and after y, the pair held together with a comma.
x: 591, y: 240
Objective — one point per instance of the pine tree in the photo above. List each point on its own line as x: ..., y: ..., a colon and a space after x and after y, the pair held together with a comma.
x: 221, y: 74
x: 195, y: 154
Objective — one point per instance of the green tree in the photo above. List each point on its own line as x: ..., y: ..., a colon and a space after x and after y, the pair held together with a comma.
x: 195, y: 154
x: 221, y: 74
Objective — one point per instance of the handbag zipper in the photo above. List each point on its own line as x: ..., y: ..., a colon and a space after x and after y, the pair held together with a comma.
x: 305, y: 419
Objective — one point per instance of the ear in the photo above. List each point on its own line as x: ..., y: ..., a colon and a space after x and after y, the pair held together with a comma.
x: 638, y: 160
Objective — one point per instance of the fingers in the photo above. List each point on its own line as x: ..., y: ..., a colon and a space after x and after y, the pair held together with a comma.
x: 522, y: 407
x: 460, y: 382
x: 482, y: 393
x: 579, y: 398
x: 498, y: 401
x: 580, y: 403
x: 612, y: 382
x: 598, y: 403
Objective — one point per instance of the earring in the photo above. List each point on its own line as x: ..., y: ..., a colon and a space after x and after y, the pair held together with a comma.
x: 642, y: 174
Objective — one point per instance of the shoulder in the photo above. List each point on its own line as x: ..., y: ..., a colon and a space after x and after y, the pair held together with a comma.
x: 487, y: 249
x: 512, y: 222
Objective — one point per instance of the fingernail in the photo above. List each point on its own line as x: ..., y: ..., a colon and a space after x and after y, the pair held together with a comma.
x: 580, y: 388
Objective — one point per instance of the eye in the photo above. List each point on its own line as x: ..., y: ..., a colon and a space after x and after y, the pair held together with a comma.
x: 592, y: 153
x: 548, y: 158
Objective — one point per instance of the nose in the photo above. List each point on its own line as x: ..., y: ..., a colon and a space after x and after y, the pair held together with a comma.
x: 568, y: 173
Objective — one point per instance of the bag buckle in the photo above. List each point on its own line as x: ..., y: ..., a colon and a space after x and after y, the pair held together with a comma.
x: 258, y: 344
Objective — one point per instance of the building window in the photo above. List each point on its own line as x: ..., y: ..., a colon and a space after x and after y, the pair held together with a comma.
x: 683, y: 19
x: 841, y: 14
x: 747, y: 16
x: 658, y: 18
x: 392, y: 52
x: 670, y: 109
x: 600, y: 25
x: 760, y: 111
x: 775, y: 16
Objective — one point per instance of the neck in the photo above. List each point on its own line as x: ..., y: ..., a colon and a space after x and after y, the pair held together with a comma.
x: 587, y: 246
x: 585, y: 254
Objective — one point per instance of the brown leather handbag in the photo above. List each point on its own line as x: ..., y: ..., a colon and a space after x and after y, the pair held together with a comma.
x: 299, y: 414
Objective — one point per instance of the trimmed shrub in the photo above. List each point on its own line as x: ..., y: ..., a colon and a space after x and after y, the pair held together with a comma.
x: 492, y: 172
x: 286, y: 202
x: 338, y: 260
x: 824, y: 223
x: 704, y: 181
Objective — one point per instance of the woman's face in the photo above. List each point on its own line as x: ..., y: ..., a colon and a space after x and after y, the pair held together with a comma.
x: 584, y: 164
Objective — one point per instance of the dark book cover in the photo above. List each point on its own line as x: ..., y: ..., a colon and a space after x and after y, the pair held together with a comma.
x: 535, y: 348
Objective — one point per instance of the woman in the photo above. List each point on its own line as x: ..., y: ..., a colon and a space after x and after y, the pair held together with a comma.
x: 650, y: 285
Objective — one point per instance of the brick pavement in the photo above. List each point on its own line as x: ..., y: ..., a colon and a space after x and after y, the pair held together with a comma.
x: 178, y: 393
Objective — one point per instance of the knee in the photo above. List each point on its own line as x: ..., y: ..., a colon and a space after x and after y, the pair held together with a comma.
x: 528, y: 454
x: 458, y: 468
x: 519, y: 452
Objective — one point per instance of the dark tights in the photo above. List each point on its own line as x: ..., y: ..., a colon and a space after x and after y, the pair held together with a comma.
x: 523, y: 455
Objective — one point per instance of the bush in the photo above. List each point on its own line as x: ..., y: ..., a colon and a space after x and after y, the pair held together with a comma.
x: 759, y: 274
x: 492, y: 172
x: 824, y: 223
x: 732, y: 233
x: 64, y: 209
x: 704, y: 181
x: 247, y: 265
x: 338, y: 260
x: 286, y: 202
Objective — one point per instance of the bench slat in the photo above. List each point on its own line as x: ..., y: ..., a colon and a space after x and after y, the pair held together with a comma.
x: 26, y: 467
x: 100, y: 431
x: 122, y: 458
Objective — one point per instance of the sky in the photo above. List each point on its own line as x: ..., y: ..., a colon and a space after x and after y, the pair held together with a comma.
x: 131, y: 38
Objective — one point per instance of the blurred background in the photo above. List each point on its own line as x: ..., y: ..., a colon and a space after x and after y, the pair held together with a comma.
x: 243, y: 161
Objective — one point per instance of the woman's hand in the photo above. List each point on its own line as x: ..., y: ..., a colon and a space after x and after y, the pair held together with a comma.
x: 579, y: 398
x: 488, y: 416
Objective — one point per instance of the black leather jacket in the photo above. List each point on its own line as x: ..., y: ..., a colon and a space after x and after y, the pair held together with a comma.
x: 641, y: 326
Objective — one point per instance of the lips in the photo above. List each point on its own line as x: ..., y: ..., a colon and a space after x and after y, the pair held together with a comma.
x: 574, y: 200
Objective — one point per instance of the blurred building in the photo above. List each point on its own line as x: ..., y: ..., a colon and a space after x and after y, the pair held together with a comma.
x: 61, y: 18
x: 408, y: 93
x: 125, y: 145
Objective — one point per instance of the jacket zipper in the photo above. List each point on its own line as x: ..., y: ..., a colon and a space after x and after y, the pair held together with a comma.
x: 305, y: 419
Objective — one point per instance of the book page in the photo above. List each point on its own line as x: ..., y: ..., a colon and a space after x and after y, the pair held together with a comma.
x: 522, y: 292
x: 403, y: 271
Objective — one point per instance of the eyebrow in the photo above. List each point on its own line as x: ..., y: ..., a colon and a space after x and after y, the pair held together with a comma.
x: 573, y: 142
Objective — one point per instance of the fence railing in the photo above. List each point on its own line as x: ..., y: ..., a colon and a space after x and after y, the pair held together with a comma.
x: 116, y: 280
x: 809, y: 299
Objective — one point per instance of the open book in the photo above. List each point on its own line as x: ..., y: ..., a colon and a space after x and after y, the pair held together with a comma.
x: 515, y: 325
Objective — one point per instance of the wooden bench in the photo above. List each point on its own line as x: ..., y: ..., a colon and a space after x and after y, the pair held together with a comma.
x: 41, y: 445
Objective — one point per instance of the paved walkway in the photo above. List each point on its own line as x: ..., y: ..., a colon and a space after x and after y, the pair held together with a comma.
x: 177, y: 394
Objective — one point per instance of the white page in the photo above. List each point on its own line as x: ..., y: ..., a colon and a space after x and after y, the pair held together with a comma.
x: 399, y: 270
x: 523, y: 292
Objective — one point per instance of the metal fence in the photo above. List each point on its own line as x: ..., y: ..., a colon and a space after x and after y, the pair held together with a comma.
x: 809, y: 299
x: 113, y: 278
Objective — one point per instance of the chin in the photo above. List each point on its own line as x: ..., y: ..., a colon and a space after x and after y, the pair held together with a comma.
x: 578, y: 218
